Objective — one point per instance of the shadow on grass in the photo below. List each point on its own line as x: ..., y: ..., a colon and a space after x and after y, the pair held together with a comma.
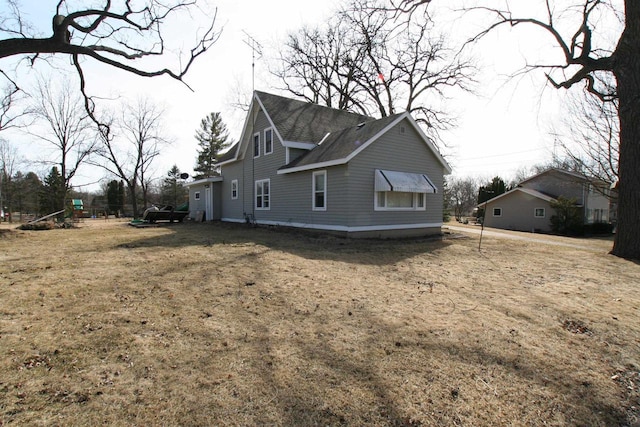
x: 327, y: 384
x: 310, y: 245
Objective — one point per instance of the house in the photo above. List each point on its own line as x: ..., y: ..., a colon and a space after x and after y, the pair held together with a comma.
x: 527, y: 207
x: 303, y: 165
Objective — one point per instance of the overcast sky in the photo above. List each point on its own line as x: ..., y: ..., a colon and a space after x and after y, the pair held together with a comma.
x: 502, y: 128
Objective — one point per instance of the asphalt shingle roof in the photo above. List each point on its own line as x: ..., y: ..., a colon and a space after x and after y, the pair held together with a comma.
x: 301, y: 121
x: 340, y: 144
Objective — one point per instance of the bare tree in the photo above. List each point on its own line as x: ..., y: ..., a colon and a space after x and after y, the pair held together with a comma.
x: 366, y: 61
x: 9, y: 160
x: 64, y: 126
x: 594, y: 39
x: 590, y: 136
x: 118, y: 34
x: 130, y: 155
x: 463, y: 196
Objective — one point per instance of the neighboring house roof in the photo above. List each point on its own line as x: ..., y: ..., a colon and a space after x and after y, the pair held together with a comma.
x: 576, y: 176
x: 300, y: 121
x: 528, y: 191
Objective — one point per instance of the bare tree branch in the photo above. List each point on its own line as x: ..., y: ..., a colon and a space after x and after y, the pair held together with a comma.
x: 116, y: 35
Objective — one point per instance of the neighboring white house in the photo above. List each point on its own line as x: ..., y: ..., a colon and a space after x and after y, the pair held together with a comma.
x: 303, y: 165
x: 528, y: 206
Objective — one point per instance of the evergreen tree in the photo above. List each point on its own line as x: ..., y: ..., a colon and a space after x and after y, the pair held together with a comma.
x: 27, y: 189
x: 172, y: 191
x: 115, y: 197
x: 491, y: 190
x: 212, y: 138
x: 53, y: 192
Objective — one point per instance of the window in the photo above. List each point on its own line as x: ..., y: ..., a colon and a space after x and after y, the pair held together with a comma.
x: 262, y: 194
x: 196, y: 195
x: 538, y: 212
x: 320, y: 191
x: 256, y: 145
x: 234, y: 189
x: 497, y: 211
x: 399, y: 200
x: 268, y: 141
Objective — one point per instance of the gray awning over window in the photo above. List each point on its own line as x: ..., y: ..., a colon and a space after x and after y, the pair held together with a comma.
x: 403, y: 181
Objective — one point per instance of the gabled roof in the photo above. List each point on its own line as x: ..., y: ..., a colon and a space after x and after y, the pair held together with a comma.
x: 332, y: 136
x: 341, y: 146
x: 574, y: 175
x: 299, y: 121
x: 529, y: 191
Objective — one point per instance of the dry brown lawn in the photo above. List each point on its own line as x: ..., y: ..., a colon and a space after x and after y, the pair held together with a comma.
x: 214, y: 324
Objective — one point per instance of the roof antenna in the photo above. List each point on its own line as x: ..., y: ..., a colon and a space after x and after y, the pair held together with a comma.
x: 256, y: 48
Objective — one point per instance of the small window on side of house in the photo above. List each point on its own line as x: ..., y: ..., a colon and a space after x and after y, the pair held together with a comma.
x: 539, y: 213
x: 196, y: 195
x: 319, y: 193
x: 256, y: 145
x: 497, y: 211
x: 268, y: 141
x: 234, y: 189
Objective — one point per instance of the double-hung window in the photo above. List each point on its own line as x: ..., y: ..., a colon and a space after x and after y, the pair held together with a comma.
x: 234, y: 189
x: 263, y: 194
x: 256, y: 145
x: 319, y: 191
x: 268, y: 141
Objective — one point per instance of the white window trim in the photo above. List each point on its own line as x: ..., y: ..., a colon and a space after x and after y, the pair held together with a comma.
x: 493, y: 212
x: 255, y: 197
x: 254, y: 145
x: 196, y: 195
x: 415, y: 206
x: 265, y: 141
x: 544, y: 213
x: 234, y: 186
x: 313, y: 190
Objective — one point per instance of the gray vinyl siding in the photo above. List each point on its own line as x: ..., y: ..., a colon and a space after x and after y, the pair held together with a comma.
x: 349, y: 190
x: 518, y: 213
x: 403, y: 152
x: 232, y: 209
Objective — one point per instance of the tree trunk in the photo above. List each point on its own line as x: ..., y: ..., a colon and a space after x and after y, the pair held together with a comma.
x: 627, y: 72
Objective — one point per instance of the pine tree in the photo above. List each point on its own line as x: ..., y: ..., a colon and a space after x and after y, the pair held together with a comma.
x: 115, y: 197
x: 212, y: 138
x: 53, y: 193
x: 172, y: 192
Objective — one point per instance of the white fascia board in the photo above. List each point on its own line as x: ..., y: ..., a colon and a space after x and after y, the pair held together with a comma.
x: 313, y: 166
x: 204, y: 181
x: 528, y: 191
x: 273, y: 126
x: 300, y: 145
x: 370, y: 141
x: 427, y: 140
x: 345, y: 159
